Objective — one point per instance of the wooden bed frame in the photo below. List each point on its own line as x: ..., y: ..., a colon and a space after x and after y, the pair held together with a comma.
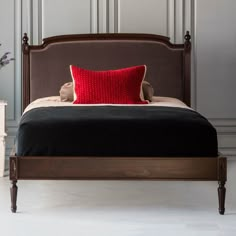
x: 114, y: 168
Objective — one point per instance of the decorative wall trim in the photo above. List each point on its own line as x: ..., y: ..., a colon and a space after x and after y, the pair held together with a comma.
x: 11, y: 124
x: 226, y: 130
x: 30, y: 28
x: 170, y: 31
x: 223, y: 122
x: 107, y: 22
x: 17, y: 69
x: 179, y: 20
x: 94, y: 16
x: 40, y: 22
x: 187, y: 20
x: 114, y: 18
x: 34, y: 21
x: 103, y: 16
x: 227, y: 140
x: 193, y: 25
x: 117, y: 16
x: 11, y: 121
x: 229, y: 153
x: 111, y: 16
x: 177, y: 12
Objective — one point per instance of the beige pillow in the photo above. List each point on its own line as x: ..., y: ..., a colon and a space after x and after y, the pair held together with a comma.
x: 67, y: 93
x: 148, y: 90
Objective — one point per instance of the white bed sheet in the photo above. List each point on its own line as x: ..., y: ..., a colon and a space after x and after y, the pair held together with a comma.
x: 54, y: 101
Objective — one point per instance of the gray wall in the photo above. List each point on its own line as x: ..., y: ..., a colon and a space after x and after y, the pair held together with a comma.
x: 211, y: 22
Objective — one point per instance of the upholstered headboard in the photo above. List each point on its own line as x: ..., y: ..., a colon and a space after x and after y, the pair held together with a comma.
x: 46, y: 66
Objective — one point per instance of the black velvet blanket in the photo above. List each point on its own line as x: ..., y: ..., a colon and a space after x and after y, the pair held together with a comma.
x: 115, y: 131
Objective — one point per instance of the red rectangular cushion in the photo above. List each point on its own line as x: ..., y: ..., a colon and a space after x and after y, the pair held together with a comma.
x: 122, y: 86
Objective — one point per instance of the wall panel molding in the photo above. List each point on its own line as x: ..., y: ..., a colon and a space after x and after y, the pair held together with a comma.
x: 192, y: 7
x: 117, y: 16
x: 179, y: 21
x: 223, y: 122
x: 92, y: 21
x: 34, y: 24
x: 114, y: 16
x: 12, y: 123
x: 94, y: 16
x: 229, y: 153
x: 14, y: 117
x: 178, y: 18
x: 171, y: 19
x: 29, y: 17
x: 39, y: 22
x: 17, y: 67
x: 103, y: 16
x: 187, y: 19
x: 114, y: 13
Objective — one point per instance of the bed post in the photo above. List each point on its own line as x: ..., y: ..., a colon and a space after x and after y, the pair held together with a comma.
x: 222, y: 177
x: 187, y: 69
x: 13, y: 177
x: 26, y: 72
x: 14, y: 190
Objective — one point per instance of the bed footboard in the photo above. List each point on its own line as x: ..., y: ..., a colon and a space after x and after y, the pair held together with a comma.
x: 119, y: 168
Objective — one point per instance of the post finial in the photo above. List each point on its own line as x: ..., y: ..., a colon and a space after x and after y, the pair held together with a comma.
x: 187, y: 37
x: 25, y: 45
x: 25, y: 38
x: 187, y: 43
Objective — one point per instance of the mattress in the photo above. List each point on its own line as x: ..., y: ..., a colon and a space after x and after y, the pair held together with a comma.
x: 158, y: 129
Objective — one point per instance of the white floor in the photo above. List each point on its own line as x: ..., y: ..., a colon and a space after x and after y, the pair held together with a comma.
x: 118, y: 208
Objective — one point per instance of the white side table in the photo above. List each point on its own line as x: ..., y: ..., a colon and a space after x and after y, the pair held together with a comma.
x: 2, y: 137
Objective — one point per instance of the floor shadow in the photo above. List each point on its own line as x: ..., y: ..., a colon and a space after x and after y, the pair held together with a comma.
x: 230, y: 213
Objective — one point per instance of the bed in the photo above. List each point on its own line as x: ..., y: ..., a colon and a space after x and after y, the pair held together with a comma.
x: 162, y: 140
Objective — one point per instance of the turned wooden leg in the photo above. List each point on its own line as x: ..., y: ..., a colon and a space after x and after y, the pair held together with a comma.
x: 14, y: 189
x: 221, y: 195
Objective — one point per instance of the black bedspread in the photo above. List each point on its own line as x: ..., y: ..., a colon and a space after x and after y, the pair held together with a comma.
x: 115, y: 131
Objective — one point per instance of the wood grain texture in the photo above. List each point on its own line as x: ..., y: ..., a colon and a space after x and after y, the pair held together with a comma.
x: 13, y: 167
x: 222, y: 169
x: 115, y: 168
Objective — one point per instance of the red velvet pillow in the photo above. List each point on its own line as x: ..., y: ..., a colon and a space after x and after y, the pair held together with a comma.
x: 121, y: 86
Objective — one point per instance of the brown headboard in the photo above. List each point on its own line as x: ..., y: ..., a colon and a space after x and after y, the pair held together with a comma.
x: 46, y: 66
